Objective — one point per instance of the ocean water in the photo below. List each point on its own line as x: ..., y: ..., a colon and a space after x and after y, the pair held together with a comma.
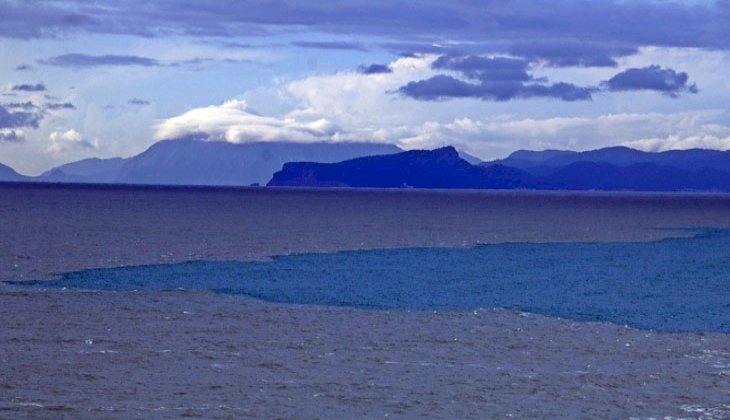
x: 670, y: 285
x: 351, y: 256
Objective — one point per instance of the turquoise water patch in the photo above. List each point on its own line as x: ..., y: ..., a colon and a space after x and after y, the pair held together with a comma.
x: 676, y: 285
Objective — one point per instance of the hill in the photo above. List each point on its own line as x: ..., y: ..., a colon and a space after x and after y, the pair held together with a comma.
x: 443, y: 168
x: 197, y: 162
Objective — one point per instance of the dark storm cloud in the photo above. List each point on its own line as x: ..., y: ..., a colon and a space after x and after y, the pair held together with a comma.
x: 20, y: 119
x: 374, y: 69
x: 139, y: 102
x: 330, y: 45
x: 59, y: 106
x: 666, y: 81
x: 615, y: 23
x: 493, y: 79
x: 38, y: 87
x: 83, y: 60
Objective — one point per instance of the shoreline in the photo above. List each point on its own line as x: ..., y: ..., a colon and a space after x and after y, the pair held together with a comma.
x: 287, y: 189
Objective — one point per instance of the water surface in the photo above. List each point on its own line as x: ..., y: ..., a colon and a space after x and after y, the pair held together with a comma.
x: 674, y: 285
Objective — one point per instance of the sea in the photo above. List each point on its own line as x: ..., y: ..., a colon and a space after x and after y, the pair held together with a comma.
x: 161, y: 302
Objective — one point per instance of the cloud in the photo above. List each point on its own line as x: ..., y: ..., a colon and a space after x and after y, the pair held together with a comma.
x: 491, y: 78
x: 79, y: 61
x: 38, y: 87
x: 201, y: 60
x: 25, y: 20
x: 83, y: 60
x: 352, y: 99
x: 666, y: 81
x: 11, y: 136
x: 508, y: 78
x: 496, y: 137
x: 359, y: 105
x: 234, y: 45
x: 485, y: 68
x: 18, y: 119
x: 139, y: 102
x: 233, y: 122
x: 59, y: 106
x: 374, y: 69
x: 330, y: 45
x: 411, y: 49
x: 627, y: 23
x: 68, y: 141
x: 27, y: 105
x: 23, y: 67
x: 572, y: 52
x: 681, y: 142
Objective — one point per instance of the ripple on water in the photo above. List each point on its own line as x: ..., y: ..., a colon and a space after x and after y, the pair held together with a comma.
x: 675, y: 285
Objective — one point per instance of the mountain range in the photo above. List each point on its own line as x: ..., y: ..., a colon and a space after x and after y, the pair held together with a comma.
x: 193, y: 161
x: 198, y: 162
x: 440, y: 168
x: 608, y: 169
x: 550, y: 161
x: 8, y: 174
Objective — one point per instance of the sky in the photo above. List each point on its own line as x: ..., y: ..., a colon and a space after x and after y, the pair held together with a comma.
x: 82, y: 79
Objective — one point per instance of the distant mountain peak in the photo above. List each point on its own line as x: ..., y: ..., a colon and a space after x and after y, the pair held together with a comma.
x: 609, y: 169
x: 9, y: 174
x: 438, y: 168
x: 194, y: 160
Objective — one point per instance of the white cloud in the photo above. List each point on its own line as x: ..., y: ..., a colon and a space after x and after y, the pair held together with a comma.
x: 233, y: 122
x: 11, y: 135
x: 352, y: 106
x: 343, y: 106
x: 497, y: 137
x: 676, y: 142
x: 68, y: 141
x: 353, y: 99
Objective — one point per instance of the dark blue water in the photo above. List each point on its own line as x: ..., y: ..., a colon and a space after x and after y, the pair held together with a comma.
x: 675, y: 285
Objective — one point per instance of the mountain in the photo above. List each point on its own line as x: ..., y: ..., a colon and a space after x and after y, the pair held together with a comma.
x: 635, y: 177
x: 443, y: 168
x: 197, y: 162
x: 87, y: 170
x: 439, y: 168
x: 8, y: 174
x: 469, y: 158
x: 548, y: 161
